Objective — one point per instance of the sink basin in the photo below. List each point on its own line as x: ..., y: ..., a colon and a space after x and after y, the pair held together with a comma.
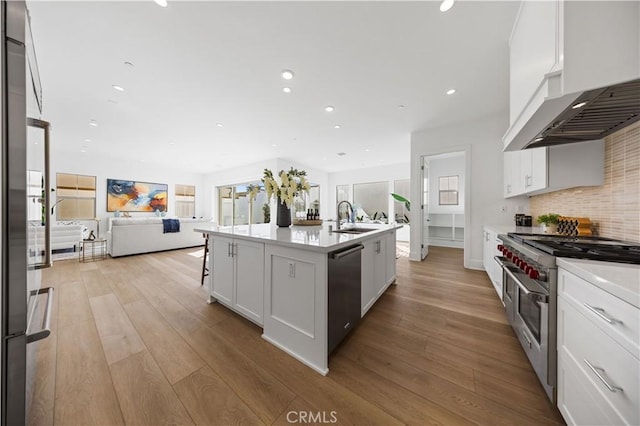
x: 354, y: 230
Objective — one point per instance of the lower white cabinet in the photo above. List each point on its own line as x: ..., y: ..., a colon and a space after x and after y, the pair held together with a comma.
x: 237, y: 271
x: 598, y: 367
x: 489, y: 250
x: 378, y: 268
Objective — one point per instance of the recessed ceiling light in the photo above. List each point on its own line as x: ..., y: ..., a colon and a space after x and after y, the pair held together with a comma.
x: 112, y: 101
x: 538, y: 139
x: 579, y: 105
x: 172, y: 143
x: 446, y: 5
x: 329, y: 108
x: 401, y: 106
x: 87, y: 140
x: 142, y: 160
x: 83, y: 150
x: 366, y: 150
x: 118, y: 88
x: 161, y: 3
x: 274, y: 145
x: 451, y: 91
x: 286, y: 89
x: 337, y: 126
x: 342, y: 154
x: 219, y: 124
x: 129, y: 64
x: 93, y: 123
x: 287, y: 74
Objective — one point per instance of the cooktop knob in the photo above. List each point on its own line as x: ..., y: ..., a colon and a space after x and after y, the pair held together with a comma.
x: 523, y: 265
x: 500, y: 247
x: 509, y: 254
x: 534, y: 274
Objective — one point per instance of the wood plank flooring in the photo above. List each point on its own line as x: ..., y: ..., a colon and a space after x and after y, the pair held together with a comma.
x: 134, y: 342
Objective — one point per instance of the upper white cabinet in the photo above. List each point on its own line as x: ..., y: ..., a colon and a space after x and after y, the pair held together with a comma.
x: 539, y: 170
x: 559, y: 49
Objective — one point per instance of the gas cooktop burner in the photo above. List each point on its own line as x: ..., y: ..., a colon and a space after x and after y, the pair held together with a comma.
x: 594, y: 248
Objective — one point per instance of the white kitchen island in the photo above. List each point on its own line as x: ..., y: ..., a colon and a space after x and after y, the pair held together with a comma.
x: 279, y: 279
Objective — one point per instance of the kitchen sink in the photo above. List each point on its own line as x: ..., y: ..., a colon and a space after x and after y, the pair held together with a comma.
x: 354, y: 230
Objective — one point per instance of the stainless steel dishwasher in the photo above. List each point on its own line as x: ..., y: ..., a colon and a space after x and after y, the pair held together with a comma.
x: 344, y: 292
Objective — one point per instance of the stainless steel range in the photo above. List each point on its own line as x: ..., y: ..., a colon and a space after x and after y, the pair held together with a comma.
x: 530, y: 293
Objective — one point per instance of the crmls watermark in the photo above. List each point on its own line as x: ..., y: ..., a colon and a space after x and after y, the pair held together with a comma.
x: 312, y: 417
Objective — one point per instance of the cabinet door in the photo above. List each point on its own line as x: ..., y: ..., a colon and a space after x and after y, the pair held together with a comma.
x: 380, y: 265
x: 249, y: 282
x: 390, y: 240
x: 513, y: 184
x: 533, y: 164
x: 367, y: 286
x: 222, y: 271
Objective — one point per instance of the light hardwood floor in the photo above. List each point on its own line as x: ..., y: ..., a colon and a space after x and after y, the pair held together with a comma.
x: 134, y: 342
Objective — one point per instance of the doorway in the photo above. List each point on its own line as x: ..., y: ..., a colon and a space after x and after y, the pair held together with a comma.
x: 444, y: 182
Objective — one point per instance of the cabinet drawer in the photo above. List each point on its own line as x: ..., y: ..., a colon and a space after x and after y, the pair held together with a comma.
x: 579, y: 400
x: 580, y: 341
x: 596, y: 304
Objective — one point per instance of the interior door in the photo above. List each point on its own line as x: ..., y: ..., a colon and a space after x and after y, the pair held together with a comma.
x: 424, y: 181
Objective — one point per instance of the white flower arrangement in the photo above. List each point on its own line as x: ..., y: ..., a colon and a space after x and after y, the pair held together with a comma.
x: 291, y: 184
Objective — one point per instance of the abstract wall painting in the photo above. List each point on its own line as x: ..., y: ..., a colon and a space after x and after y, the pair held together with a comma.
x: 132, y: 196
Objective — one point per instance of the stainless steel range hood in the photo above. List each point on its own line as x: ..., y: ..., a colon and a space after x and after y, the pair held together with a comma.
x: 580, y: 117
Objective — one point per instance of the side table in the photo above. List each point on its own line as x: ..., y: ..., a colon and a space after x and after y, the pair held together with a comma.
x: 92, y: 250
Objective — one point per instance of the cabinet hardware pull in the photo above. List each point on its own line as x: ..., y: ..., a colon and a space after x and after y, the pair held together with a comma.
x: 601, y: 314
x: 46, y: 326
x: 596, y: 371
x: 229, y: 253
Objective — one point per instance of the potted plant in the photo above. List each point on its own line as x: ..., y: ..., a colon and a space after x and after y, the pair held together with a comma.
x: 549, y: 222
x: 291, y: 184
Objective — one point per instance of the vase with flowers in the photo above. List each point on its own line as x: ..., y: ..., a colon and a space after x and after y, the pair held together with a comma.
x: 291, y: 183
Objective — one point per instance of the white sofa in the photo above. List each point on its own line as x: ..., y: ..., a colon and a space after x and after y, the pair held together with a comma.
x: 127, y: 236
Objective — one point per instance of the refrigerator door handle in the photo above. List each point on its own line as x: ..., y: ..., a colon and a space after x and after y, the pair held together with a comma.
x: 46, y: 324
x: 44, y: 125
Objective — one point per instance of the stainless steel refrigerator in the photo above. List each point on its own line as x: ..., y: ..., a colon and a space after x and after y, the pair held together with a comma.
x: 25, y: 303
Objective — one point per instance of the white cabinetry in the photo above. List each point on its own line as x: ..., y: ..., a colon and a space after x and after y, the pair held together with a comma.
x: 237, y: 271
x: 378, y: 268
x: 490, y: 249
x: 598, y: 365
x: 546, y: 169
x: 551, y: 56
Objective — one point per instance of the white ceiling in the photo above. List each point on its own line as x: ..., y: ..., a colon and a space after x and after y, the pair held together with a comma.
x: 201, y: 63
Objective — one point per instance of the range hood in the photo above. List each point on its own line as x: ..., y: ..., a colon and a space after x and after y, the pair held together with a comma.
x: 581, y: 117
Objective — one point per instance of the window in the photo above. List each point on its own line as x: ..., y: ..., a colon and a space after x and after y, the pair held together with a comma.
x: 371, y: 200
x: 235, y: 207
x: 448, y: 190
x: 401, y: 187
x: 75, y: 197
x: 185, y: 201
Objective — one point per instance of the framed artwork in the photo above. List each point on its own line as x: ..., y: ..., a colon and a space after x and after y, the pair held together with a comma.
x: 132, y: 196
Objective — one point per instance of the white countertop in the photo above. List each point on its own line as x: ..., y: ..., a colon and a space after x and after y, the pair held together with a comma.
x: 504, y: 229
x: 620, y: 279
x: 315, y: 238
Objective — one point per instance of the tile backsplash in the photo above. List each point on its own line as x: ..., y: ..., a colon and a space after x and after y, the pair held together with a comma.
x: 614, y: 207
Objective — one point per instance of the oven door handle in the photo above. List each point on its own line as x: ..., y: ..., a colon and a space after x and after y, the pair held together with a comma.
x: 536, y: 296
x: 499, y: 261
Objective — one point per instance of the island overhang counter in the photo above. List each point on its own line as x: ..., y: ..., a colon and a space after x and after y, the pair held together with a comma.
x: 279, y: 279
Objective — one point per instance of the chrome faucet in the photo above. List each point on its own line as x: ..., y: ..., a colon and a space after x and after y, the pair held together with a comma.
x: 338, y: 212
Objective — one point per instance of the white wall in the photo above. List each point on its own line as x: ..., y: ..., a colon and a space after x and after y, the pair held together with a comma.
x: 106, y: 168
x: 483, y: 139
x: 255, y: 172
